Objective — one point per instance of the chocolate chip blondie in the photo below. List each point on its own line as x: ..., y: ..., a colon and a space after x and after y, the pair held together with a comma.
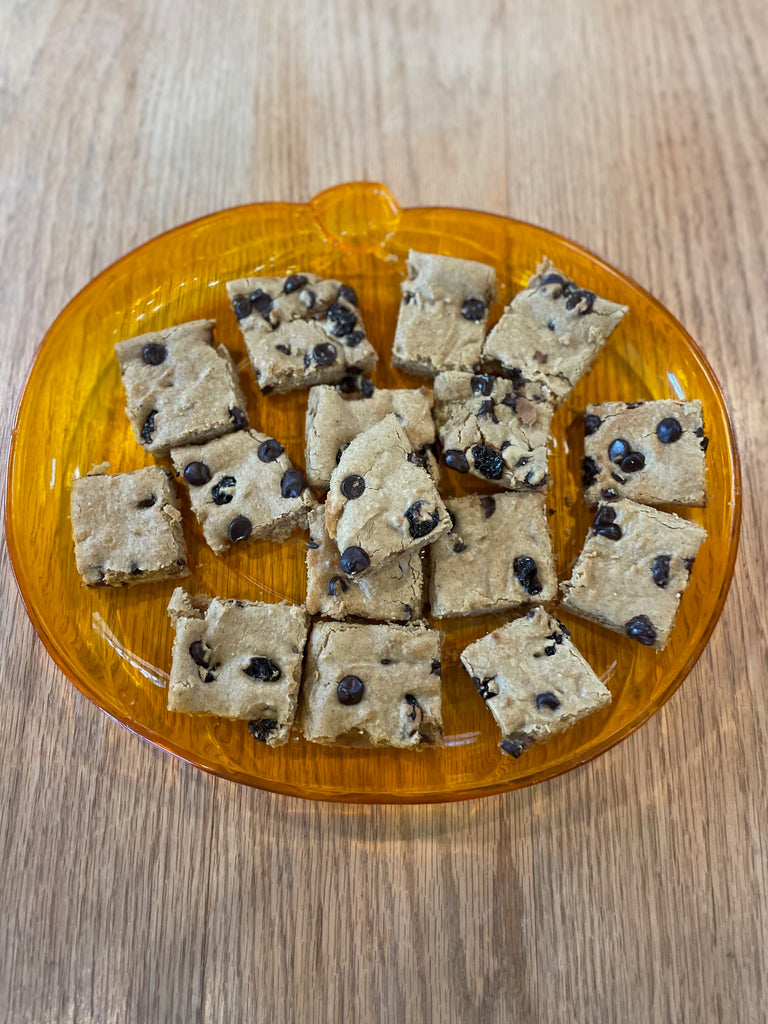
x: 552, y: 330
x: 498, y: 555
x: 127, y: 528
x: 634, y: 566
x: 443, y: 313
x: 494, y: 428
x: 334, y: 418
x: 300, y: 330
x: 238, y: 659
x: 372, y: 685
x: 243, y: 486
x: 179, y: 389
x: 533, y: 680
x: 393, y: 593
x: 651, y: 452
x: 382, y: 503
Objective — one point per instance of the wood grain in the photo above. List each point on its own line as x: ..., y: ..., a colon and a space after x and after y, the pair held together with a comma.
x: 135, y: 888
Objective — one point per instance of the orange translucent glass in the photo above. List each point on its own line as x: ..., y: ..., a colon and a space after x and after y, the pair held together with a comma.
x: 115, y: 645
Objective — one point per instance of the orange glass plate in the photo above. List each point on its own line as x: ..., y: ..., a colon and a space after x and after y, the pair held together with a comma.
x: 115, y: 644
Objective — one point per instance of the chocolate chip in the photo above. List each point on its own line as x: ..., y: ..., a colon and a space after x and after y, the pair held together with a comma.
x: 565, y: 630
x: 618, y: 479
x: 262, y: 302
x: 313, y: 544
x: 414, y: 706
x: 324, y: 354
x: 242, y: 306
x: 421, y: 523
x: 660, y: 570
x: 522, y: 461
x: 699, y: 431
x: 473, y: 309
x: 510, y: 400
x: 704, y: 443
x: 352, y: 384
x: 483, y: 687
x: 549, y: 651
x: 591, y: 423
x: 354, y: 560
x: 239, y: 529
x: 488, y: 462
x: 147, y: 502
x: 350, y: 690
x: 386, y: 661
x: 526, y: 571
x: 338, y: 583
x: 669, y: 430
x: 552, y: 279
x: 605, y: 524
x: 618, y: 449
x: 482, y: 385
x: 634, y: 405
x: 200, y: 653
x: 238, y: 417
x: 641, y: 628
x: 340, y: 452
x: 196, y: 474
x: 688, y: 563
x: 488, y: 505
x: 407, y: 298
x: 487, y: 409
x: 263, y: 668
x: 153, y: 354
x: 285, y: 349
x: 589, y: 471
x: 343, y: 319
x: 609, y: 493
x: 135, y: 570
x: 459, y: 547
x: 551, y: 324
x: 354, y: 339
x: 352, y: 486
x: 516, y: 743
x: 270, y: 450
x: 546, y: 700
x: 436, y: 669
x: 407, y: 611
x: 633, y: 462
x: 457, y: 460
x: 583, y: 297
x: 349, y: 294
x: 262, y: 728
x: 292, y: 484
x: 294, y: 283
x: 222, y: 491
x: 149, y: 428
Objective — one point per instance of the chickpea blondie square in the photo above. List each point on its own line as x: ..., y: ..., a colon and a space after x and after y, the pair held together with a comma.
x: 127, y: 527
x: 243, y: 487
x: 179, y: 388
x: 498, y: 555
x: 335, y: 418
x: 494, y: 428
x: 372, y: 685
x: 533, y: 680
x: 443, y: 313
x: 633, y: 569
x: 393, y: 593
x: 552, y: 330
x: 300, y: 330
x: 382, y: 502
x: 651, y: 452
x: 238, y: 659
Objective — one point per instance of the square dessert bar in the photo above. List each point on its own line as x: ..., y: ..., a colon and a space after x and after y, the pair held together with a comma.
x: 533, y: 680
x: 238, y: 659
x: 443, y: 313
x: 127, y: 528
x: 494, y: 428
x: 382, y: 503
x: 634, y: 566
x: 371, y: 685
x: 552, y: 330
x: 335, y: 418
x: 300, y: 330
x: 498, y: 555
x: 179, y: 389
x: 652, y: 452
x: 243, y: 486
x: 393, y: 593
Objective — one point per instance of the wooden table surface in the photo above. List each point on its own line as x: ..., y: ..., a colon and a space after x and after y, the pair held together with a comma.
x: 135, y: 888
